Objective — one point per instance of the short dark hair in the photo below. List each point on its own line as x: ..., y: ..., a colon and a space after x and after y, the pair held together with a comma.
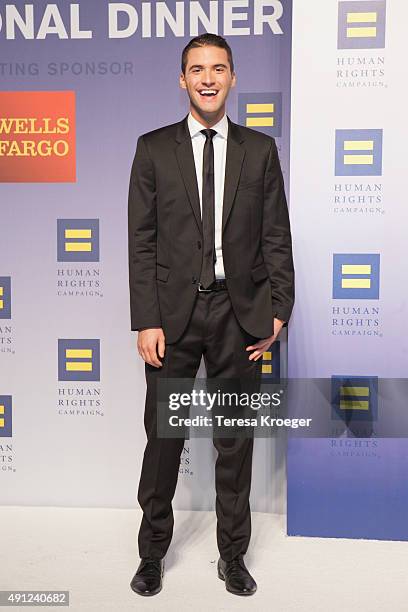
x: 206, y: 40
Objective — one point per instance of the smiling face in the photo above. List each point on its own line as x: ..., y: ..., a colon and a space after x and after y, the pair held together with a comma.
x: 207, y: 79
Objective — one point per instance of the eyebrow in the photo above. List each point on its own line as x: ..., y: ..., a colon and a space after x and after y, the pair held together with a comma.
x: 200, y: 66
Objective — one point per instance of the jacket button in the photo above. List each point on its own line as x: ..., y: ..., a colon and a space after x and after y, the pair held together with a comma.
x: 199, y: 244
x: 194, y: 280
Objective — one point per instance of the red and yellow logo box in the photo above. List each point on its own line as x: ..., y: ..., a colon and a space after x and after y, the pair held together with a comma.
x: 37, y: 137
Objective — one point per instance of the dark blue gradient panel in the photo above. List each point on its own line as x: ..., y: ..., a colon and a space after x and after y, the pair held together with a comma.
x: 348, y: 488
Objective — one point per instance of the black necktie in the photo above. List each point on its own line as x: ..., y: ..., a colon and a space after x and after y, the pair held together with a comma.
x: 208, y: 213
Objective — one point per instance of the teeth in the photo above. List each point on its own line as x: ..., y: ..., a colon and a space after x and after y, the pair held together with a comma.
x: 208, y: 92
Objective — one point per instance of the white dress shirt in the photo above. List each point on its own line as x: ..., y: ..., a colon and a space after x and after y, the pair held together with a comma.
x: 220, y: 154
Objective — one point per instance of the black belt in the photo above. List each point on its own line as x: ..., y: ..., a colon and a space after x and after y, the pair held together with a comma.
x: 218, y: 285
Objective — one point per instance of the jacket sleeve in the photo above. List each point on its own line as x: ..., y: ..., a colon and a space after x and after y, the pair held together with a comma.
x: 276, y: 239
x: 142, y: 232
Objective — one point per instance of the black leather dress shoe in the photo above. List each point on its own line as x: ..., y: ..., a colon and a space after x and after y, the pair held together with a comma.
x: 148, y: 578
x: 237, y: 578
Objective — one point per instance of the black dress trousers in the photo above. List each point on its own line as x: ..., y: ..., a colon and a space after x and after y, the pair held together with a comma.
x: 214, y: 332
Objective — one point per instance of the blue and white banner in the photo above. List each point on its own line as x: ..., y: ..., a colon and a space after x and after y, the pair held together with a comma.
x: 79, y: 82
x: 349, y: 214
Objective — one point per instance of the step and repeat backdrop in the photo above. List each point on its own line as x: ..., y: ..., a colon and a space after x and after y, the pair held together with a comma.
x: 79, y: 82
x: 349, y: 218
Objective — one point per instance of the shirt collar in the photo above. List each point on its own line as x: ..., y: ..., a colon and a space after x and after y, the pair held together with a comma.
x: 195, y: 126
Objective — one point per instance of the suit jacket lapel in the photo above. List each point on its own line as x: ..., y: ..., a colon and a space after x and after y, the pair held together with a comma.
x: 185, y: 159
x: 233, y: 165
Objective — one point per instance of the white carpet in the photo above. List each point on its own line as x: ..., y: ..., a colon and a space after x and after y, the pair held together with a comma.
x: 93, y: 554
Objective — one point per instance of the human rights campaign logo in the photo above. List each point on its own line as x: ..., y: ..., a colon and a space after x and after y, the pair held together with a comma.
x: 354, y: 397
x: 78, y: 359
x: 6, y: 425
x: 270, y: 367
x: 356, y: 276
x: 261, y: 111
x: 5, y: 297
x: 361, y: 25
x: 358, y: 152
x: 77, y: 239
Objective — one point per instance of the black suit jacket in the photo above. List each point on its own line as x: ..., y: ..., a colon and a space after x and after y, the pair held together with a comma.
x: 165, y: 232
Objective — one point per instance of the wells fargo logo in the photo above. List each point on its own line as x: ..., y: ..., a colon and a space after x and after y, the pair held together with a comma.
x: 37, y: 137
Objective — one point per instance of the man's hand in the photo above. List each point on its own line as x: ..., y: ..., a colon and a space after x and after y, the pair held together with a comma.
x: 151, y: 345
x: 262, y: 345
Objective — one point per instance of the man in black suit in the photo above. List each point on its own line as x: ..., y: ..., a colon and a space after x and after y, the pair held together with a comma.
x: 211, y: 274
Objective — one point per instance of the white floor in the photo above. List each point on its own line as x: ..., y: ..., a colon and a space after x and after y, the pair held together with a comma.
x: 93, y: 554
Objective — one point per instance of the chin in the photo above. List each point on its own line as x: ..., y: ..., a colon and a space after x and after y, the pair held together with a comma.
x: 211, y: 111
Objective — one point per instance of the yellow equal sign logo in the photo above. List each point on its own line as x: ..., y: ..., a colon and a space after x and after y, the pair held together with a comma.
x: 78, y: 366
x: 358, y: 152
x: 1, y: 415
x: 355, y: 283
x: 72, y: 234
x: 265, y: 112
x: 348, y: 392
x: 267, y: 362
x: 357, y: 30
x: 1, y: 298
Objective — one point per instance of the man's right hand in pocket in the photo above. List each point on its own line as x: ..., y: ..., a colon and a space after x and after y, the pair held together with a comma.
x: 151, y: 345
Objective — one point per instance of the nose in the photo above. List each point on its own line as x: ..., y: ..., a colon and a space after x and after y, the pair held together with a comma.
x: 207, y: 78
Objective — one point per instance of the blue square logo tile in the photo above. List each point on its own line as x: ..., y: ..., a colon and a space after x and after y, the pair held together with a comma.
x: 358, y: 152
x: 78, y: 359
x: 5, y: 297
x: 356, y: 276
x: 261, y: 111
x: 354, y: 398
x: 6, y: 417
x: 361, y: 25
x: 78, y: 240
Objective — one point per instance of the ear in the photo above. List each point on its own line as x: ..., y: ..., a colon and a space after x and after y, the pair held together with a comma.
x: 182, y: 81
x: 234, y: 79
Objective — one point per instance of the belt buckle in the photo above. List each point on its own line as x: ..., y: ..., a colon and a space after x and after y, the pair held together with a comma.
x: 202, y: 290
